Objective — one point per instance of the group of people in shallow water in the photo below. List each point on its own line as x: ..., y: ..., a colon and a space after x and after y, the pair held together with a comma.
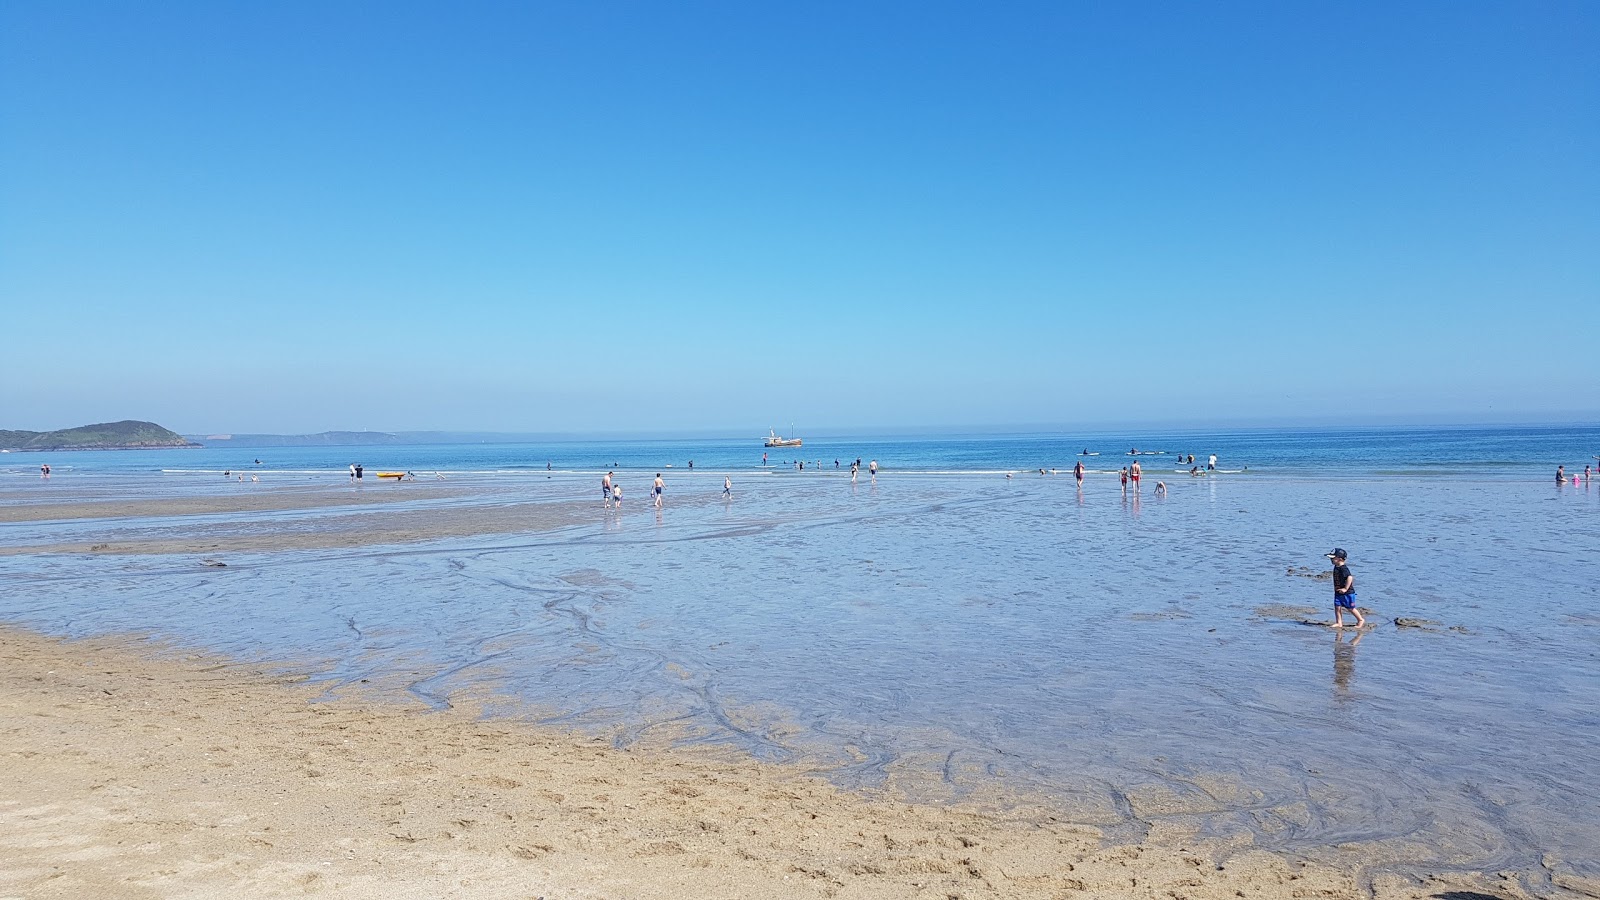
x: 1563, y: 478
x: 611, y: 490
x: 1133, y: 473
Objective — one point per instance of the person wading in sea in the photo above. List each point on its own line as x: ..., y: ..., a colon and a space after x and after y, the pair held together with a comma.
x: 1344, y: 591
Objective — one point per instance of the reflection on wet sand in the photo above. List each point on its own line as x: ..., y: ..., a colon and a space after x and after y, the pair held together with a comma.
x: 1344, y: 659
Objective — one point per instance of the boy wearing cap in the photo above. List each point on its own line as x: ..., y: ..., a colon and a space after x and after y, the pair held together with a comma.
x: 1344, y: 591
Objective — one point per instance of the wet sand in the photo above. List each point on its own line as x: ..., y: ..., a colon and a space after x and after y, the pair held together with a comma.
x: 97, y: 504
x: 135, y: 771
x: 346, y: 518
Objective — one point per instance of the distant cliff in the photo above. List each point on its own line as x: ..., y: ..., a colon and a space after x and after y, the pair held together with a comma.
x: 127, y: 435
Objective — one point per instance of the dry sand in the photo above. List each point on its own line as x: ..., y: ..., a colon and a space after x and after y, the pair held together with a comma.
x: 136, y: 772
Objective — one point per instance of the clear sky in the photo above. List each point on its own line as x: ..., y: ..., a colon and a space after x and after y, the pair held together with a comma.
x: 291, y: 217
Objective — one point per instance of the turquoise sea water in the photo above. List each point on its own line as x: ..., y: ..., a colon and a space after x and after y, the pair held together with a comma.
x: 1136, y: 659
x: 1491, y: 452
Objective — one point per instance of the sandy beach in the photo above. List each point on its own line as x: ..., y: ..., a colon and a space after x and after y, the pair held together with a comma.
x: 69, y: 504
x: 348, y: 518
x: 137, y: 771
x: 504, y: 690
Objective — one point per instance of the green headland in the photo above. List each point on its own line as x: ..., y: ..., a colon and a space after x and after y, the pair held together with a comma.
x: 125, y: 435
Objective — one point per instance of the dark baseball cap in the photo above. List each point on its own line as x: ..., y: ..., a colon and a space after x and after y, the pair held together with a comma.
x: 1336, y: 553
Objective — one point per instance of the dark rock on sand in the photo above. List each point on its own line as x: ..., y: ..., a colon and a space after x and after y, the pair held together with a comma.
x: 1406, y: 622
x: 1308, y: 572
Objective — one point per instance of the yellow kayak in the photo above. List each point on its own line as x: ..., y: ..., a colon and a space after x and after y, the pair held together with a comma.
x: 396, y: 475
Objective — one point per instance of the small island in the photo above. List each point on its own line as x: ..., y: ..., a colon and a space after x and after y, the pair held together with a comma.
x: 124, y: 435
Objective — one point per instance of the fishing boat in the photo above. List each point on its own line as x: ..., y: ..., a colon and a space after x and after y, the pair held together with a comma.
x: 773, y: 440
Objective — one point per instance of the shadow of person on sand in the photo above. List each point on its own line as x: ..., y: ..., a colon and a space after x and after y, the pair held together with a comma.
x: 1466, y: 895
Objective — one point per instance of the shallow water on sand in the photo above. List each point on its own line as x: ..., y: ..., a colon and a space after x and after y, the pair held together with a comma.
x: 1138, y: 661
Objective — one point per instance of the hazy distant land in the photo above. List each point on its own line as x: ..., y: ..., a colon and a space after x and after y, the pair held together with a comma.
x: 370, y: 438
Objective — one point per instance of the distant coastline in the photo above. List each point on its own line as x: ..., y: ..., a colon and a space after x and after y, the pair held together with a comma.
x: 125, y: 435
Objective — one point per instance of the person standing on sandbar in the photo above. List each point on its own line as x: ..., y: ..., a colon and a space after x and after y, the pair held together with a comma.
x: 659, y: 487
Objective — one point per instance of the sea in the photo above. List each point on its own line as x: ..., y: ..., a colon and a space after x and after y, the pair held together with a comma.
x: 968, y: 626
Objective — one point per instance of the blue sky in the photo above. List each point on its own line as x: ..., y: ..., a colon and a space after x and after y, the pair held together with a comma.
x: 659, y: 217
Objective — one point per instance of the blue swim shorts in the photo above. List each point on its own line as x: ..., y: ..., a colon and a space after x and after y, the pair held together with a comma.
x: 1348, y: 601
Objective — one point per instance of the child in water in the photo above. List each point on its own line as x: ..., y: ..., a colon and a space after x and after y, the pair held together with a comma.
x: 1344, y: 591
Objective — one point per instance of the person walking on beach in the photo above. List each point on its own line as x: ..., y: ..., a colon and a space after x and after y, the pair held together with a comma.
x: 1561, y: 474
x: 872, y: 469
x: 659, y: 487
x: 1211, y: 463
x: 1124, y: 480
x: 616, y: 495
x: 605, y: 488
x: 44, y: 470
x: 360, y: 470
x: 352, y: 471
x: 1344, y: 591
x: 854, y: 468
x: 1077, y: 473
x: 727, y: 488
x: 1134, y: 474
